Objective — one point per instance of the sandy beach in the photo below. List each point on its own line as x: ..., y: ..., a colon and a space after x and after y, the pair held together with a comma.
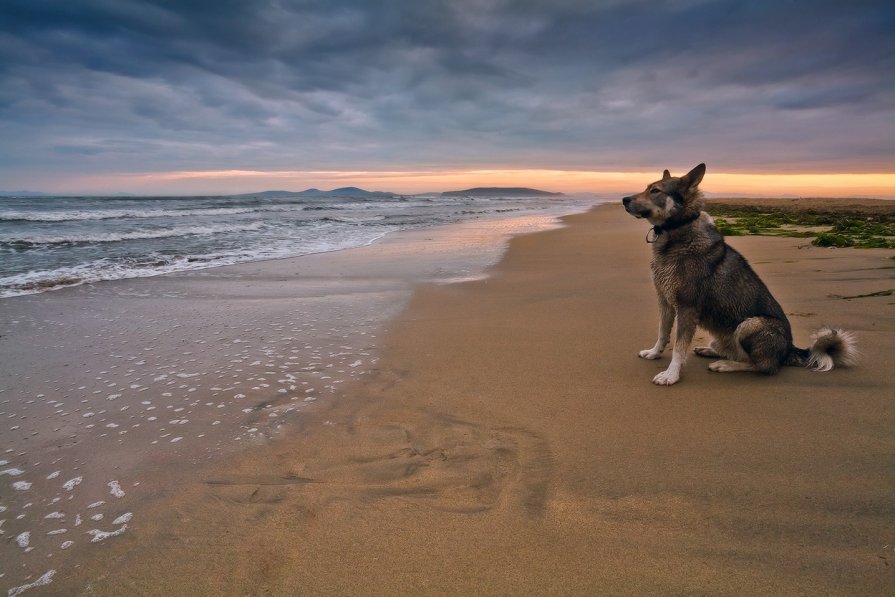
x: 342, y: 298
x: 506, y: 439
x: 114, y: 394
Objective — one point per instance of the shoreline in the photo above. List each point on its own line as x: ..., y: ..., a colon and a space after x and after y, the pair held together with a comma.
x: 509, y: 440
x: 328, y: 232
x: 163, y: 376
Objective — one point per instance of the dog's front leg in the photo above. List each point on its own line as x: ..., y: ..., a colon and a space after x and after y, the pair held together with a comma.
x: 686, y: 327
x: 666, y: 320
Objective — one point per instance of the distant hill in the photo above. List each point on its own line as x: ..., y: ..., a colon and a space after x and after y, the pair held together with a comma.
x: 500, y: 192
x: 340, y: 192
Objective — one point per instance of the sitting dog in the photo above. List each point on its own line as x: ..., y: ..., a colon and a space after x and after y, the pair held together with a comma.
x: 700, y: 280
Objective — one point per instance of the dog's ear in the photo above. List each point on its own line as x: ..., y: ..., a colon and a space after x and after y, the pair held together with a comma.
x: 692, y: 178
x: 666, y: 175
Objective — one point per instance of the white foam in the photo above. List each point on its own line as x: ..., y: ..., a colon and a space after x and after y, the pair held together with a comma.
x: 99, y: 535
x: 12, y: 472
x: 115, y: 214
x: 72, y: 483
x: 115, y: 489
x: 44, y: 580
x: 23, y: 539
x: 108, y: 237
x: 66, y: 544
x: 21, y: 485
x: 126, y: 517
x: 96, y: 505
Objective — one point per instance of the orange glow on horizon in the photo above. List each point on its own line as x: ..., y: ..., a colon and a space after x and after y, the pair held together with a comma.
x: 567, y: 181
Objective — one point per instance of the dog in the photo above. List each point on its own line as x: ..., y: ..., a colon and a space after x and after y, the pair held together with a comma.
x: 702, y: 281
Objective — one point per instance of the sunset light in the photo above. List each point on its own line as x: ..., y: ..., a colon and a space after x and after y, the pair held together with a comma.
x: 565, y: 181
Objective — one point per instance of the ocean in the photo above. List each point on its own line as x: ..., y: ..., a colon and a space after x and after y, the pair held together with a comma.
x: 47, y: 243
x: 110, y: 393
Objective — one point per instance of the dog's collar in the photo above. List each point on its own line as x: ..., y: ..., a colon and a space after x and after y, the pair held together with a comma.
x: 657, y: 230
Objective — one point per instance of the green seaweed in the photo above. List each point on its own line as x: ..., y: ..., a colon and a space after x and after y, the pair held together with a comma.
x: 870, y: 294
x: 845, y: 229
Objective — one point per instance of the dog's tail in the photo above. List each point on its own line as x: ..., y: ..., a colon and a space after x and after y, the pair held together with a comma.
x: 829, y: 348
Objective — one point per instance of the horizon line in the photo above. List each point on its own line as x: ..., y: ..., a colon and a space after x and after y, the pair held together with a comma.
x: 410, y: 182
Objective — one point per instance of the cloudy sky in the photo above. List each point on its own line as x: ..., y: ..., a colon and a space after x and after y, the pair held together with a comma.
x: 413, y: 95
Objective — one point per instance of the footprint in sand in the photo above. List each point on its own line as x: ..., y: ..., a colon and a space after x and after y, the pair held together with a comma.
x: 436, y: 460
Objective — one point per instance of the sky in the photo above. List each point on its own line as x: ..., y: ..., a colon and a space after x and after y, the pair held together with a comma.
x: 232, y: 96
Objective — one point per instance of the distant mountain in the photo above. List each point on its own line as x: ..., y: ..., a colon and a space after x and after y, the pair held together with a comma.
x: 500, y: 192
x: 353, y: 191
x: 340, y: 192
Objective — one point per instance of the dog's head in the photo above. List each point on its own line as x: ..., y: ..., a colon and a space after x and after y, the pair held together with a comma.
x: 669, y: 199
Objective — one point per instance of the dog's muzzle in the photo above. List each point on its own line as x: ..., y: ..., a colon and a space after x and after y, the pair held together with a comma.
x: 626, y: 201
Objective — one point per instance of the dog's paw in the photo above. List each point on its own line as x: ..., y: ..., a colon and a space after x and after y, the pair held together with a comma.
x: 706, y: 351
x: 650, y: 353
x: 726, y: 366
x: 666, y: 378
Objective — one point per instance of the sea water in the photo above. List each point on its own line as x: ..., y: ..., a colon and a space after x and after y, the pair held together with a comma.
x: 47, y: 243
x: 112, y: 392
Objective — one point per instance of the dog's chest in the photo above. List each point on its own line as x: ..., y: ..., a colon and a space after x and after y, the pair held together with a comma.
x: 671, y: 275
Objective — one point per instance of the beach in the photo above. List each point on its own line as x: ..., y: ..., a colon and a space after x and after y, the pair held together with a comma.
x: 477, y: 434
x: 113, y: 394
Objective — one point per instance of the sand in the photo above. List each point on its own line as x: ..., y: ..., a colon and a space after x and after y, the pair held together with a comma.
x: 114, y: 394
x: 508, y: 441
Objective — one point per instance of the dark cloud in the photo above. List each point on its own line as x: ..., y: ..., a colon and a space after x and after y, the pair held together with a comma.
x: 123, y: 85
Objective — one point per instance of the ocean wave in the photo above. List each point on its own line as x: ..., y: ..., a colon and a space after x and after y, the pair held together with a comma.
x: 66, y: 255
x: 119, y: 214
x: 156, y: 264
x: 108, y: 237
x: 101, y: 270
x: 353, y: 220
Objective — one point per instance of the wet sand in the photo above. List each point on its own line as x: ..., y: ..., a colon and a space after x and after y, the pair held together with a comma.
x: 508, y: 440
x: 113, y: 395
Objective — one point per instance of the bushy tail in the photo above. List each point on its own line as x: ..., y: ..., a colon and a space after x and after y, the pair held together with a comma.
x: 832, y: 348
x: 829, y: 348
